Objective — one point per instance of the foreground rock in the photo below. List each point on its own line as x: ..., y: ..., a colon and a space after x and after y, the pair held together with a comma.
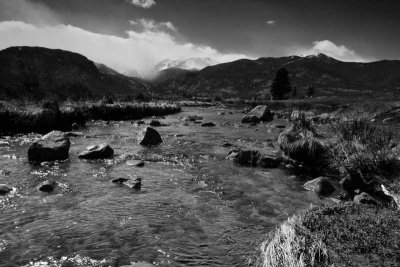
x: 101, y: 151
x: 321, y: 186
x: 5, y: 189
x: 149, y: 137
x: 259, y: 113
x: 47, y: 186
x: 53, y: 146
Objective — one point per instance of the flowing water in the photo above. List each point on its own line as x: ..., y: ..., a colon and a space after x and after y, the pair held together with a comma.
x: 195, y: 208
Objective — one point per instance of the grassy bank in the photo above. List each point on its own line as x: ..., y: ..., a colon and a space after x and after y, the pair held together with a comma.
x: 364, y: 155
x: 25, y: 118
x: 340, y: 235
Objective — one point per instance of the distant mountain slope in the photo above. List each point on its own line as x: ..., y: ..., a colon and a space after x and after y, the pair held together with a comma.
x: 248, y: 78
x: 35, y: 72
x: 187, y: 64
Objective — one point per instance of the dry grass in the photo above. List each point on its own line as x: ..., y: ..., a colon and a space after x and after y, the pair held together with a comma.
x: 292, y: 245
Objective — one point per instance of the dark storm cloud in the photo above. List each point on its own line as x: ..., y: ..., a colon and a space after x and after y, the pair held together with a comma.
x: 346, y: 29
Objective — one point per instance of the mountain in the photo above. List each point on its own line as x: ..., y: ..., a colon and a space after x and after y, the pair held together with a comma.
x: 187, y: 64
x: 252, y: 78
x: 38, y: 73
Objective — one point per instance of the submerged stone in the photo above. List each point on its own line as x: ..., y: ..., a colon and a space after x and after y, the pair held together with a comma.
x: 47, y: 186
x: 5, y: 189
x: 208, y: 124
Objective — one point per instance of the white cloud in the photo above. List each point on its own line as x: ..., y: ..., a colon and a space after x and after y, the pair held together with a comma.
x: 142, y: 3
x: 271, y: 22
x: 140, y: 50
x: 329, y: 48
x: 152, y: 25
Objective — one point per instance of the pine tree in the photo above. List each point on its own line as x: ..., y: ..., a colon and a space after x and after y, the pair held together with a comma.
x: 310, y: 91
x: 281, y: 84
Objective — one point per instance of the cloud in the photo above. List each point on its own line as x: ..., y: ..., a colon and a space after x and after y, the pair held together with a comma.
x: 152, y: 25
x: 329, y: 48
x: 142, y: 3
x: 140, y: 50
x: 28, y: 11
x: 271, y: 22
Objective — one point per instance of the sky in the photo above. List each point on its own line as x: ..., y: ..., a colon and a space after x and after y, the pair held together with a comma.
x: 138, y: 34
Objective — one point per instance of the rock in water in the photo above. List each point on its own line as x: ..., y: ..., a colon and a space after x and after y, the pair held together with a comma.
x: 47, y: 186
x: 260, y: 113
x: 5, y: 189
x: 155, y: 123
x: 136, y: 163
x: 244, y: 157
x: 208, y: 124
x: 101, y: 151
x: 269, y: 161
x: 320, y: 185
x: 53, y: 146
x: 149, y: 137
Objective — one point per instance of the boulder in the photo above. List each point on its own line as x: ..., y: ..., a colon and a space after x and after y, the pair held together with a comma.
x: 365, y: 198
x: 101, y: 151
x: 155, y: 123
x: 262, y: 113
x: 53, y: 146
x: 269, y: 161
x: 5, y: 189
x: 250, y: 119
x: 149, y: 137
x: 136, y: 163
x: 208, y: 124
x: 320, y: 185
x: 244, y: 157
x: 47, y: 186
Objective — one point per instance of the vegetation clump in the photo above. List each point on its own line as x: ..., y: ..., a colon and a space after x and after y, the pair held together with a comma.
x: 340, y: 235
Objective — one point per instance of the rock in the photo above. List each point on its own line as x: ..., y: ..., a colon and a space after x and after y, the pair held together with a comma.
x: 101, y: 151
x: 221, y: 113
x: 134, y: 184
x: 47, y: 186
x: 75, y: 126
x: 262, y: 113
x: 345, y: 196
x: 227, y: 145
x: 149, y: 137
x: 320, y: 185
x: 155, y: 123
x: 365, y: 198
x: 140, y: 122
x: 5, y: 189
x: 137, y: 163
x: 352, y: 183
x: 250, y: 119
x: 280, y: 126
x: 388, y: 120
x: 73, y: 134
x: 267, y: 161
x: 53, y: 146
x: 208, y: 124
x: 192, y: 118
x: 244, y: 157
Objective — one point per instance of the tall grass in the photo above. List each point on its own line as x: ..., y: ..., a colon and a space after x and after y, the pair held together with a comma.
x: 365, y: 149
x: 35, y: 119
x: 293, y: 245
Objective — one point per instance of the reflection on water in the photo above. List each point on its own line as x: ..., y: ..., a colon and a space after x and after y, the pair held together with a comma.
x: 195, y: 208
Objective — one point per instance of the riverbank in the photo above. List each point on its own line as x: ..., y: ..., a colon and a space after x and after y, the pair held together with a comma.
x: 26, y: 118
x: 356, y: 160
